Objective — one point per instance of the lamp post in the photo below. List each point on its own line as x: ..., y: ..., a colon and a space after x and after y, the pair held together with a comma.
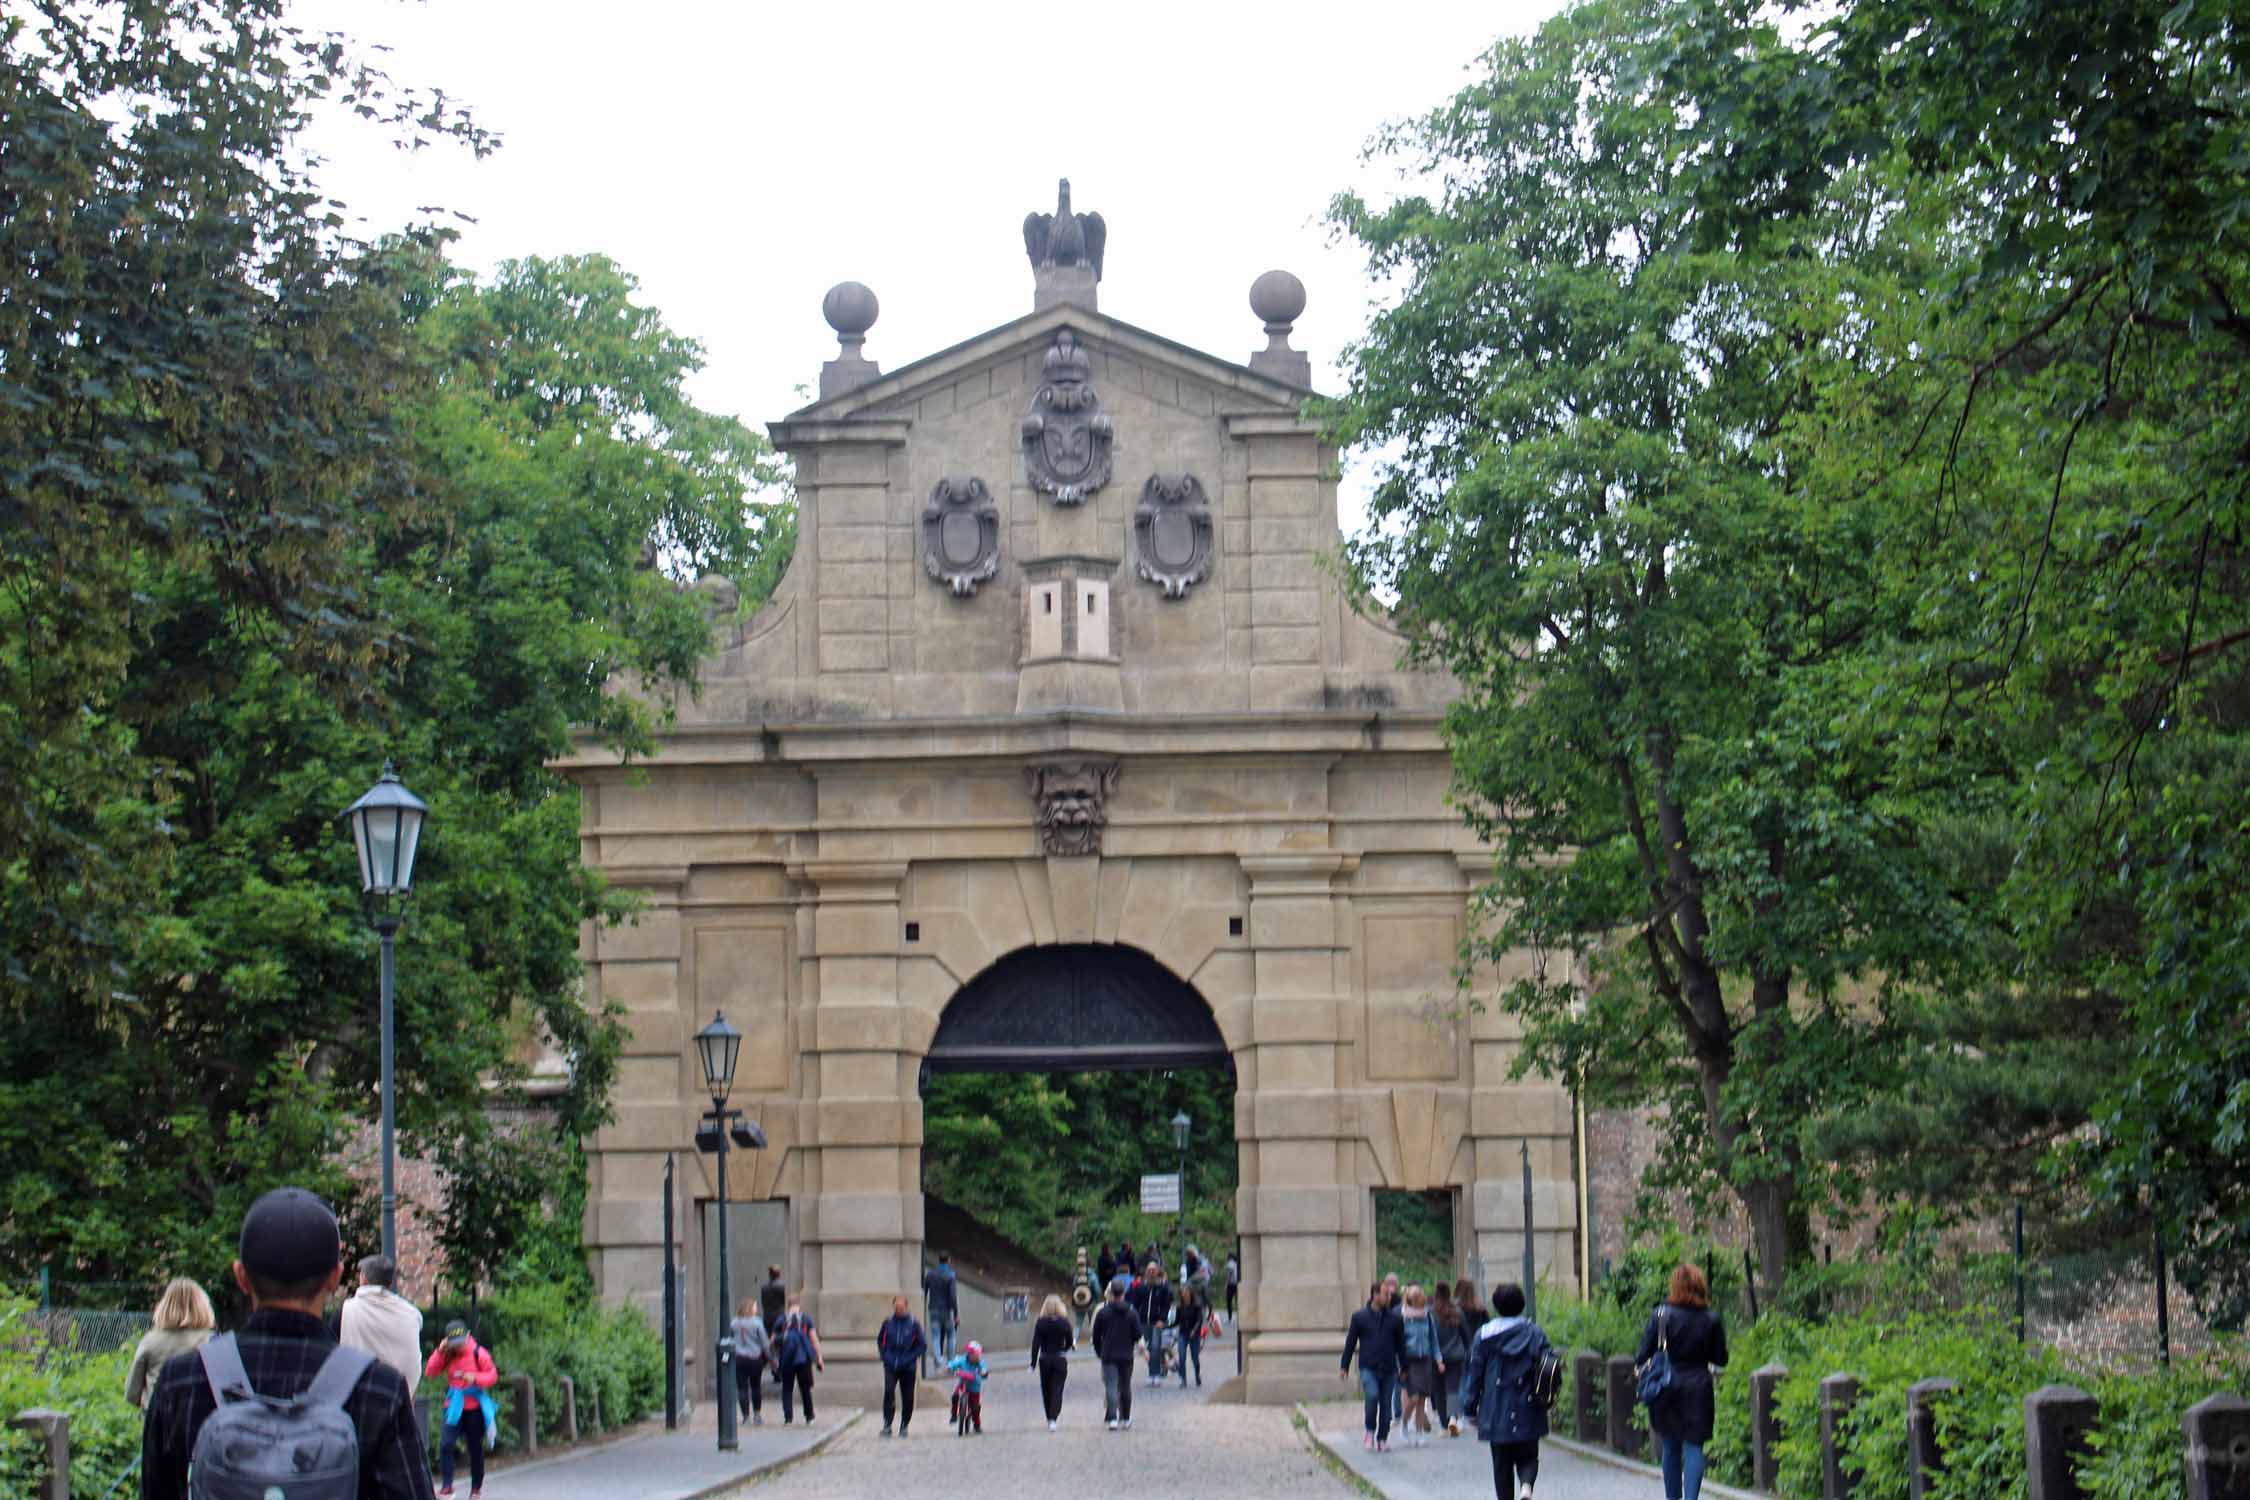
x: 719, y: 1046
x: 387, y: 834
x: 1181, y: 1124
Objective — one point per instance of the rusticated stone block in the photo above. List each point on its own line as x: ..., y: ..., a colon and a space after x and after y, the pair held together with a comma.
x: 1586, y: 1389
x: 2056, y: 1419
x: 2217, y: 1429
x: 1923, y: 1460
x: 1838, y: 1394
x: 52, y: 1429
x: 1765, y: 1425
x: 526, y: 1414
x: 1623, y: 1435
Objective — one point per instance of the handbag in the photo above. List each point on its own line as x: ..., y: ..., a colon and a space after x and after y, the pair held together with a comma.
x: 1656, y: 1375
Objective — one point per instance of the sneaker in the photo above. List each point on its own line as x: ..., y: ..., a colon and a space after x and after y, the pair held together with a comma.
x: 1367, y: 1441
x: 1524, y: 1493
x: 1452, y: 1426
x: 886, y: 1432
x: 1050, y: 1427
x: 1112, y: 1424
x: 446, y: 1493
x: 757, y: 1419
x: 1381, y: 1446
x: 1128, y: 1424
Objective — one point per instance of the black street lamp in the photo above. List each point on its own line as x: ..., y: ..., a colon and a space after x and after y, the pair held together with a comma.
x: 1181, y: 1124
x: 387, y: 833
x: 719, y: 1046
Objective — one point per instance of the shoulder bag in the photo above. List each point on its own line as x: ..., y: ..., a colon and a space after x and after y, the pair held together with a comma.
x: 1656, y: 1374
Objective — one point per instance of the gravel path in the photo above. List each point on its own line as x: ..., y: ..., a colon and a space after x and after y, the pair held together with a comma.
x: 1179, y: 1446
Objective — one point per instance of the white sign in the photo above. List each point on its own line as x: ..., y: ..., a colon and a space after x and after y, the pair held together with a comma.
x: 1161, y: 1195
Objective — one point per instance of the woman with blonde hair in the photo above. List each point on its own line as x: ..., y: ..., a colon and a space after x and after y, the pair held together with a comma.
x: 182, y: 1321
x: 1694, y: 1342
x: 1052, y: 1339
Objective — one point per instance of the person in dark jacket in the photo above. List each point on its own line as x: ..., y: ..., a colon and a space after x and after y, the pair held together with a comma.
x: 900, y: 1344
x: 1051, y: 1342
x: 1116, y: 1333
x: 941, y: 1299
x: 1152, y: 1301
x: 1106, y: 1267
x: 773, y: 1298
x: 1187, y: 1322
x: 1696, y: 1341
x: 1378, y: 1335
x: 1496, y: 1393
x: 1453, y: 1349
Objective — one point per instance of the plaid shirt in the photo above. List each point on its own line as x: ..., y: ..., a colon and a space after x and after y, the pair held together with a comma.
x: 281, y: 1352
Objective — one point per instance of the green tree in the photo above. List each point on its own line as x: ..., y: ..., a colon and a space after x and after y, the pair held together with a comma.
x: 1595, y: 426
x: 2080, y: 455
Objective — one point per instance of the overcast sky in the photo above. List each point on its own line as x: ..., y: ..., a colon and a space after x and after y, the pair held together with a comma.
x: 740, y: 158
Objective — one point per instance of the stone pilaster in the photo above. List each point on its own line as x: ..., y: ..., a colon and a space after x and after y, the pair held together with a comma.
x: 859, y: 1221
x: 1294, y: 623
x: 1300, y: 1204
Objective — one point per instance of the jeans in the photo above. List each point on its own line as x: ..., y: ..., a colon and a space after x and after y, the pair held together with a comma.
x: 1683, y: 1469
x: 750, y: 1385
x: 1191, y: 1348
x: 1054, y: 1370
x: 1156, y: 1354
x: 1514, y: 1464
x: 1117, y: 1390
x: 898, y: 1389
x: 473, y: 1430
x: 942, y: 1325
x: 1380, y: 1388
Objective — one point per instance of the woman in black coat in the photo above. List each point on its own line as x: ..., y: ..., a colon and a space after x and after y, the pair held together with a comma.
x: 1696, y: 1342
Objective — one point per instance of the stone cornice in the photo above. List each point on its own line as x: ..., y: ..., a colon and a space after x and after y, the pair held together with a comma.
x: 890, y: 432
x: 1026, y: 736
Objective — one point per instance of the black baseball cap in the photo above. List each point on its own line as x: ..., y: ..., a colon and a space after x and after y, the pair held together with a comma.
x: 290, y: 1237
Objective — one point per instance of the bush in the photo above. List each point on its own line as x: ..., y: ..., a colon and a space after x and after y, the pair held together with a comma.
x: 105, y: 1431
x: 608, y: 1353
x: 2136, y: 1445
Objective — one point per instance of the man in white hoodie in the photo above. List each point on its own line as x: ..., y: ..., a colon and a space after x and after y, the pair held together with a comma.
x: 382, y: 1322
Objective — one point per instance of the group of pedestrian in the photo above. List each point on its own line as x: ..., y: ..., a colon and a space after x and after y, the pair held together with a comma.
x: 1508, y: 1374
x: 772, y: 1331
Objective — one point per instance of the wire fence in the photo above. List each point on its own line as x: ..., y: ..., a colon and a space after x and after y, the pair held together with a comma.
x: 88, y: 1317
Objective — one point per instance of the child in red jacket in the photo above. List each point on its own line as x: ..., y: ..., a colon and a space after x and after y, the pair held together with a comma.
x: 465, y: 1366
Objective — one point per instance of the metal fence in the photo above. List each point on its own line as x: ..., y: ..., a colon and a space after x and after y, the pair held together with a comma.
x: 88, y: 1317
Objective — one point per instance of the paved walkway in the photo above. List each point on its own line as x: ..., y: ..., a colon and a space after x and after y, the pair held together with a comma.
x: 1181, y: 1448
x: 1458, y: 1468
x: 681, y: 1465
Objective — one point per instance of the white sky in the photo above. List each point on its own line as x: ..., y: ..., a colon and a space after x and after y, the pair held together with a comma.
x: 741, y: 158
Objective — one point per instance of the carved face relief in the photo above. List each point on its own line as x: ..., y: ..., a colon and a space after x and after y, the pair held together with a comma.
x: 1172, y: 534
x: 1072, y: 802
x: 1067, y: 437
x: 961, y: 535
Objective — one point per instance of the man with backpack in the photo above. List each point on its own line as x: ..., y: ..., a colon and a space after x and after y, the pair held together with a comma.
x: 299, y: 1414
x: 796, y: 1354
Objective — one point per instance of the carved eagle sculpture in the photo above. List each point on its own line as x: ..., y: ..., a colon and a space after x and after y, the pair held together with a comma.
x: 1063, y: 238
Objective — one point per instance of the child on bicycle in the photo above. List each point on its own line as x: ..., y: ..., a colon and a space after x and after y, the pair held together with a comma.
x: 969, y: 1371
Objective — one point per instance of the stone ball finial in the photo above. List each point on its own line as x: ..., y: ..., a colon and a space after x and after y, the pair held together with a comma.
x: 850, y: 308
x: 1277, y: 298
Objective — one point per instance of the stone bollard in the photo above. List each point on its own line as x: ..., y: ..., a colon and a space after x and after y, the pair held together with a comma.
x: 1923, y: 1460
x: 570, y: 1409
x: 527, y: 1415
x: 1623, y: 1435
x: 1765, y: 1425
x: 2056, y: 1419
x: 2218, y: 1448
x: 1586, y: 1386
x: 53, y: 1430
x: 1838, y: 1393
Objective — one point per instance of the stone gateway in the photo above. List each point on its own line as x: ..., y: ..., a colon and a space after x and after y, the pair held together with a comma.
x: 1058, y: 745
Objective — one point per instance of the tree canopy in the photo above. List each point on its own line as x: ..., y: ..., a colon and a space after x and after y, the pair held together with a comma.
x: 1823, y: 473
x: 275, y: 507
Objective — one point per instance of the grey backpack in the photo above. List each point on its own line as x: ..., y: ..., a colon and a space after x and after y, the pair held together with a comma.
x: 255, y: 1447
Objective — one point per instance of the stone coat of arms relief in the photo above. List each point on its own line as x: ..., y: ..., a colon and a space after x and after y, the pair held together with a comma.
x: 1067, y: 437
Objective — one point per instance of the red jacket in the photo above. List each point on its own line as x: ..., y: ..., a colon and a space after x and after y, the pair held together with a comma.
x: 469, y: 1365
